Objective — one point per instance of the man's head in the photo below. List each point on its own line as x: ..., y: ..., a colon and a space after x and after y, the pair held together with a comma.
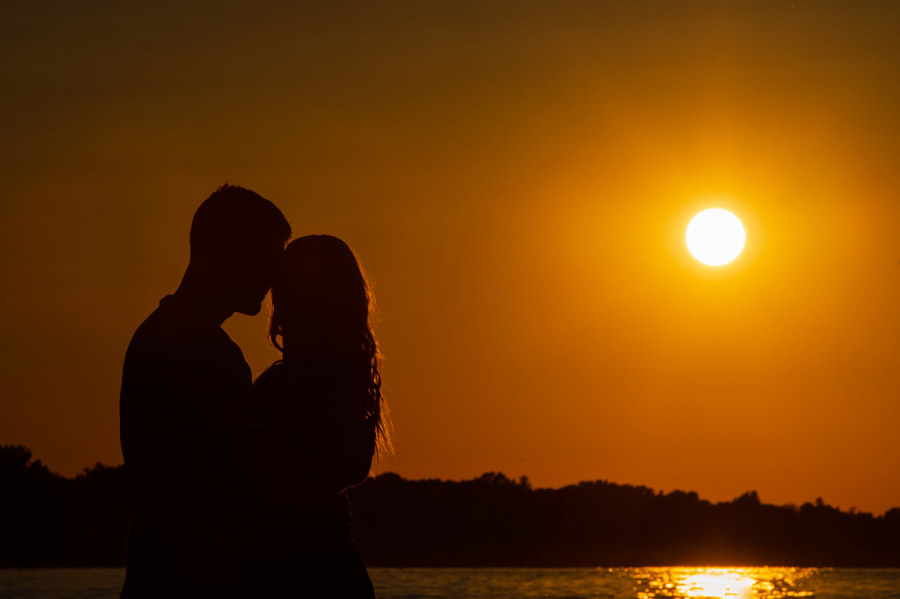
x: 237, y: 238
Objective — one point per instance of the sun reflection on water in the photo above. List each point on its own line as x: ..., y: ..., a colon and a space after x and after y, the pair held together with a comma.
x: 719, y: 583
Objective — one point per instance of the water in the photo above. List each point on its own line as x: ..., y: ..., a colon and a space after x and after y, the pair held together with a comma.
x: 530, y: 583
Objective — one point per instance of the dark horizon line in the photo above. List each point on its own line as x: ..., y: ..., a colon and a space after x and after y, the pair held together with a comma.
x: 818, y: 502
x: 752, y: 494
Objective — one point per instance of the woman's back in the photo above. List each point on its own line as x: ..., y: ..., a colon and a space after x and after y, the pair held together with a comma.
x: 325, y: 443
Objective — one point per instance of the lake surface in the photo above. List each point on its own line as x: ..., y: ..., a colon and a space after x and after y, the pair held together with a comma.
x: 528, y: 583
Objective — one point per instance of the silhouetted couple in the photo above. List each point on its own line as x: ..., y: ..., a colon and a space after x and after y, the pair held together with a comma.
x: 238, y: 488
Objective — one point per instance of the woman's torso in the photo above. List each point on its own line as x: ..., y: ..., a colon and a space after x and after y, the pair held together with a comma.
x: 323, y: 441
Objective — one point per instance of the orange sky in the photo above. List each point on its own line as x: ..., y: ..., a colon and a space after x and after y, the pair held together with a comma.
x: 517, y: 178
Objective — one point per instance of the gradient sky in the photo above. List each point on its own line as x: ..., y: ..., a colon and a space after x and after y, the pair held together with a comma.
x: 516, y: 178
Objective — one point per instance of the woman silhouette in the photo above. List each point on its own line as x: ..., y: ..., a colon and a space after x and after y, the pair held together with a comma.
x: 323, y: 401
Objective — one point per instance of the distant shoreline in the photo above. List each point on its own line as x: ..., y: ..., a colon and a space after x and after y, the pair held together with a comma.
x: 491, y: 521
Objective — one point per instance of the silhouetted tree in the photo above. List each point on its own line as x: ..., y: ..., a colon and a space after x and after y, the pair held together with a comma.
x: 49, y: 520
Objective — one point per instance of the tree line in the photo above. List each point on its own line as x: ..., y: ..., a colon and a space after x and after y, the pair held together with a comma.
x: 50, y: 520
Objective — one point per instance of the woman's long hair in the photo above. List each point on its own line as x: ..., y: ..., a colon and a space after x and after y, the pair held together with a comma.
x: 322, y: 303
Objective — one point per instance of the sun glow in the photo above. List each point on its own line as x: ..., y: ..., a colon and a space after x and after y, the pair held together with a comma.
x: 715, y: 237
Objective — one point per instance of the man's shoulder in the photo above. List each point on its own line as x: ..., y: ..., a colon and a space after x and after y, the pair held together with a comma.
x: 161, y: 335
x: 169, y: 334
x: 271, y: 380
x: 172, y: 344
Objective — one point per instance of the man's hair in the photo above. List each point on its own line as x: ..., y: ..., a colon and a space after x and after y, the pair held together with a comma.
x: 233, y: 219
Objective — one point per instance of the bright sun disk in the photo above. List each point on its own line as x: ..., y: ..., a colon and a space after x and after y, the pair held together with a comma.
x: 715, y: 237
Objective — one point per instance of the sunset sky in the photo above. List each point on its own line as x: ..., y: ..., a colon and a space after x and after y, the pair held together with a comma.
x: 517, y: 178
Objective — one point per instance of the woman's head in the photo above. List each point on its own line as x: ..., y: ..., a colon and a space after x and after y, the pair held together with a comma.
x: 321, y: 306
x: 320, y: 299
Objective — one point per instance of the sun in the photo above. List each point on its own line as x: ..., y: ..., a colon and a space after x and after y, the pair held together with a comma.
x: 715, y: 237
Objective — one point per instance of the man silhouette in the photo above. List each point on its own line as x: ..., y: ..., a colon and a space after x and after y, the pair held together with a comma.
x: 187, y: 418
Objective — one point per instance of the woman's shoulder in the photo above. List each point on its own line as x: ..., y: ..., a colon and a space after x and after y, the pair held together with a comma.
x: 326, y: 378
x: 288, y: 374
x: 311, y: 367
